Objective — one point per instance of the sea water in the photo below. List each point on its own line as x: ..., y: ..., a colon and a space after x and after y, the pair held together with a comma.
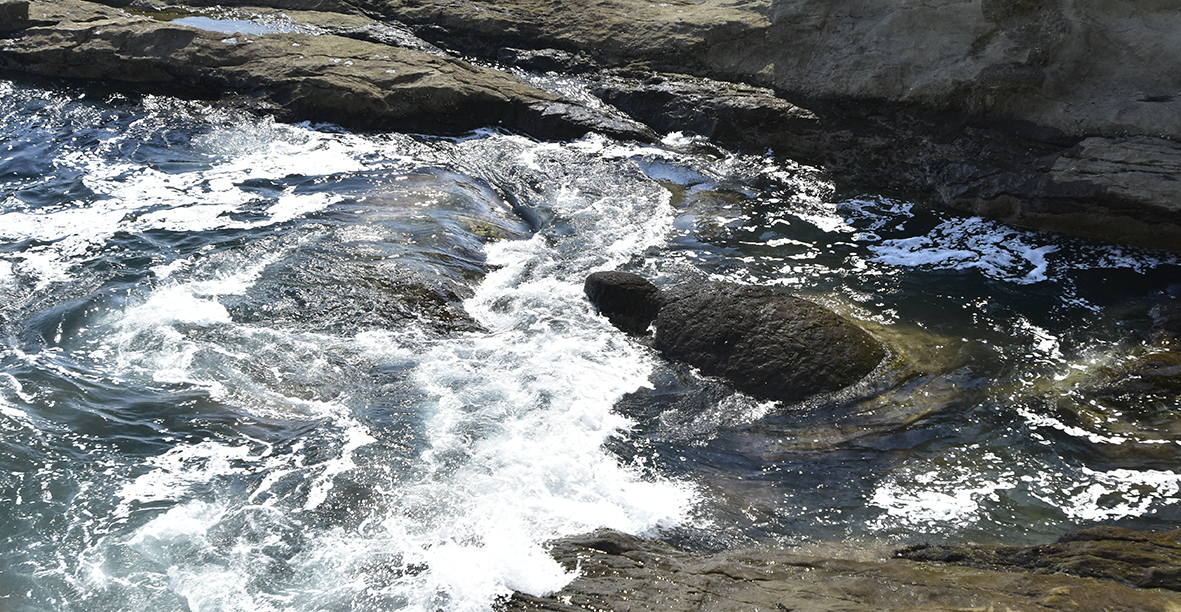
x: 247, y: 365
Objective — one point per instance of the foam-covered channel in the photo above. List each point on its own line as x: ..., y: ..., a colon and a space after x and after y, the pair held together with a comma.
x: 254, y: 366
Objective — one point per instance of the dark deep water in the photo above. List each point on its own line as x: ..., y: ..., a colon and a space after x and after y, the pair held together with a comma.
x: 255, y: 366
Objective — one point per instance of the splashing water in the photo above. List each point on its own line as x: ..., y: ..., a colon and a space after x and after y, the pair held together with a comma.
x: 255, y: 366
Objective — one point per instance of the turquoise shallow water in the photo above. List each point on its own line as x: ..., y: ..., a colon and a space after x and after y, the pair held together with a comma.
x: 255, y: 366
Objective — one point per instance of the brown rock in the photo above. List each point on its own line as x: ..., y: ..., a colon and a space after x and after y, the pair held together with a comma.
x: 619, y: 572
x: 1134, y: 558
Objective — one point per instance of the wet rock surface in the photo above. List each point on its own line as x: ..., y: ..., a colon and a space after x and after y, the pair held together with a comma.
x: 766, y: 343
x: 1134, y: 558
x: 629, y: 301
x: 722, y: 111
x: 621, y: 572
x: 353, y: 82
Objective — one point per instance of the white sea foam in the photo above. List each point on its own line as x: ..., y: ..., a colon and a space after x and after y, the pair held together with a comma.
x: 998, y: 252
x: 513, y: 425
x: 130, y: 197
x: 927, y: 500
x: 1092, y: 495
x: 173, y: 474
x: 520, y: 414
x: 10, y: 388
x: 7, y: 276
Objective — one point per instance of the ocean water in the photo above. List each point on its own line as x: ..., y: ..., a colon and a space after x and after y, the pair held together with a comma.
x: 254, y: 366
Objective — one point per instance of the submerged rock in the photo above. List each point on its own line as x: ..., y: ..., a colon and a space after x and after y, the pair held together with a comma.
x: 764, y: 342
x: 621, y: 572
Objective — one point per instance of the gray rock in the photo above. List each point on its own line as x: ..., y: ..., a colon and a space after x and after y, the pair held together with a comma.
x: 724, y: 111
x: 1118, y: 189
x: 1135, y: 558
x: 1082, y: 66
x: 766, y: 343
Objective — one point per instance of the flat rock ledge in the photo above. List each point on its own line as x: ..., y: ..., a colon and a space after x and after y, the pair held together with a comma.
x: 621, y: 572
x: 354, y: 80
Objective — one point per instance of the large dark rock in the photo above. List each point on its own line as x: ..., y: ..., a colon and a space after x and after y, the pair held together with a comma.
x: 766, y: 343
x: 628, y: 300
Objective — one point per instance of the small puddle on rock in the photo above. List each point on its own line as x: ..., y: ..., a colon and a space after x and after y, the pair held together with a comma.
x: 236, y: 26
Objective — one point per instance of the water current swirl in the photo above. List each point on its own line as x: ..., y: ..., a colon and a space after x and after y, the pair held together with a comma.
x: 254, y: 366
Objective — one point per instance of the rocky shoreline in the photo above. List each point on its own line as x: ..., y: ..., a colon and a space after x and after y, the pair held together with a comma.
x: 1056, y: 115
x: 997, y: 108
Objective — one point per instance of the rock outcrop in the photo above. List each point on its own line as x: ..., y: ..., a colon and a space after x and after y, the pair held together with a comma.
x: 764, y: 342
x: 351, y: 81
x: 621, y: 572
x: 1081, y: 66
x: 1059, y: 114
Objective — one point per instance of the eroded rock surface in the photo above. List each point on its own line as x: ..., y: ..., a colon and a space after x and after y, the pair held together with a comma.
x: 621, y: 572
x: 1082, y: 66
